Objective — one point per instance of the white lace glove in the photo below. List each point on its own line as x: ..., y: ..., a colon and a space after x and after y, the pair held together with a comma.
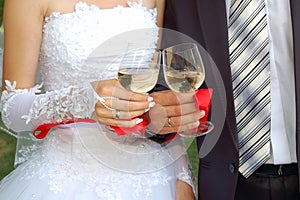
x: 25, y: 109
x: 177, y: 150
x: 184, y: 171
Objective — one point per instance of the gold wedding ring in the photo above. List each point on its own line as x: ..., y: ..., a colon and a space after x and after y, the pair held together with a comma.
x: 169, y: 122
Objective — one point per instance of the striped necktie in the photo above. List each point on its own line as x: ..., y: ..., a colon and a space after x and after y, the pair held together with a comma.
x: 249, y: 59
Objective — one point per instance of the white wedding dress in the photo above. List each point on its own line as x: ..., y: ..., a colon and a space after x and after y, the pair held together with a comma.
x: 84, y: 160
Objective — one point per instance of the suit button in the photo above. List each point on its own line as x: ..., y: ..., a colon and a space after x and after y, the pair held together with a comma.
x: 231, y: 168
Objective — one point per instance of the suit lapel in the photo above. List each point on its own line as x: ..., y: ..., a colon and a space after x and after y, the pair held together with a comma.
x: 212, y: 17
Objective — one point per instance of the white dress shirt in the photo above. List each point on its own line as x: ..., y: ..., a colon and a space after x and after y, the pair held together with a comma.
x: 283, y: 106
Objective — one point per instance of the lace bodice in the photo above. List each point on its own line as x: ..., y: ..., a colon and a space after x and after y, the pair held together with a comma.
x: 70, y: 38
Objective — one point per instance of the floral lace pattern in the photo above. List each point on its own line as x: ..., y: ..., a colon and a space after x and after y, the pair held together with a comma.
x: 6, y: 99
x: 68, y: 103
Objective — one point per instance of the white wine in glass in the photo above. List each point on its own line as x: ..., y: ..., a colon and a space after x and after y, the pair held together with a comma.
x: 139, y: 69
x: 184, y: 72
x: 184, y: 81
x: 139, y: 80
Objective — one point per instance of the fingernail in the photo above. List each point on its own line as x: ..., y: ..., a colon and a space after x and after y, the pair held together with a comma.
x: 202, y: 113
x: 139, y: 120
x: 152, y: 104
x: 150, y: 99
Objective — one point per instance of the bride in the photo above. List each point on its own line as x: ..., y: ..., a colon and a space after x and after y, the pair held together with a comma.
x: 78, y: 158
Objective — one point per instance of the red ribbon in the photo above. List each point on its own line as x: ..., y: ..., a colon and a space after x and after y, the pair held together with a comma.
x: 203, y: 100
x: 42, y: 130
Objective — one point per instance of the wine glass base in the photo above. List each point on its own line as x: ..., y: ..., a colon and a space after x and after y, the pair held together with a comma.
x: 203, y: 129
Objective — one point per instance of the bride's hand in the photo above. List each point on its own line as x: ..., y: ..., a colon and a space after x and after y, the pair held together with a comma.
x: 184, y: 191
x: 173, y: 112
x: 121, y: 108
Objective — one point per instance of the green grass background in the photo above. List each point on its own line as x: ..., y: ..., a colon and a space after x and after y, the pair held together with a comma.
x: 7, y: 153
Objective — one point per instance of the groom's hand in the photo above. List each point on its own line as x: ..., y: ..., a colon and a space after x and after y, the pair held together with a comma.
x: 173, y: 112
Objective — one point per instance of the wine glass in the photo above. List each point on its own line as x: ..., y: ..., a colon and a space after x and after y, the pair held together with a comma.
x: 184, y: 72
x: 138, y: 72
x: 139, y: 69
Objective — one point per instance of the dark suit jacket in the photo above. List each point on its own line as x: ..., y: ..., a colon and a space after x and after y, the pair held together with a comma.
x: 205, y: 21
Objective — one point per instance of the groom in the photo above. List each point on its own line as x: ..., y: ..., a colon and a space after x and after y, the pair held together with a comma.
x: 276, y: 175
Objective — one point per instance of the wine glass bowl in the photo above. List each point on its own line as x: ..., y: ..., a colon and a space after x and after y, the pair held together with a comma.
x: 183, y: 67
x: 184, y: 72
x: 139, y: 69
